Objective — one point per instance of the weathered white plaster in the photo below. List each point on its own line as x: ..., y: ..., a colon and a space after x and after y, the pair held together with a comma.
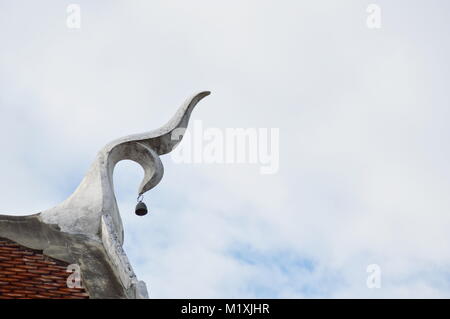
x: 116, y: 254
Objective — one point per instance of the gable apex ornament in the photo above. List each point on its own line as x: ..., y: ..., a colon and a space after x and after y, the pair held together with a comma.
x: 81, y: 213
x: 86, y: 229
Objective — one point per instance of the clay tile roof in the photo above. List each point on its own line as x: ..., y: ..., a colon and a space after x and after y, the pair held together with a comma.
x: 29, y: 274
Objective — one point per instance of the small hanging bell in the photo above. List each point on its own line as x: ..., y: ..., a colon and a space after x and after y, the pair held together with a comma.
x: 141, y: 208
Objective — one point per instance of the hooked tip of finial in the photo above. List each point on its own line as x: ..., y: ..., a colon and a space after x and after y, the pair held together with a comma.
x: 203, y: 94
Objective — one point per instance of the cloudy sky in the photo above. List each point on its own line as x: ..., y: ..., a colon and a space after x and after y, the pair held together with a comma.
x: 363, y: 138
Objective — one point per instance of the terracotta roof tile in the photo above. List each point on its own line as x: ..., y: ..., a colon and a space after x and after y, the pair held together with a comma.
x: 29, y: 274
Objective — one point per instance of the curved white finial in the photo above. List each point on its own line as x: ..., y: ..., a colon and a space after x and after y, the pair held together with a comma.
x: 82, y: 212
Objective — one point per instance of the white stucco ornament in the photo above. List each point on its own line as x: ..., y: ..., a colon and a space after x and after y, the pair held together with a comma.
x: 92, y: 209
